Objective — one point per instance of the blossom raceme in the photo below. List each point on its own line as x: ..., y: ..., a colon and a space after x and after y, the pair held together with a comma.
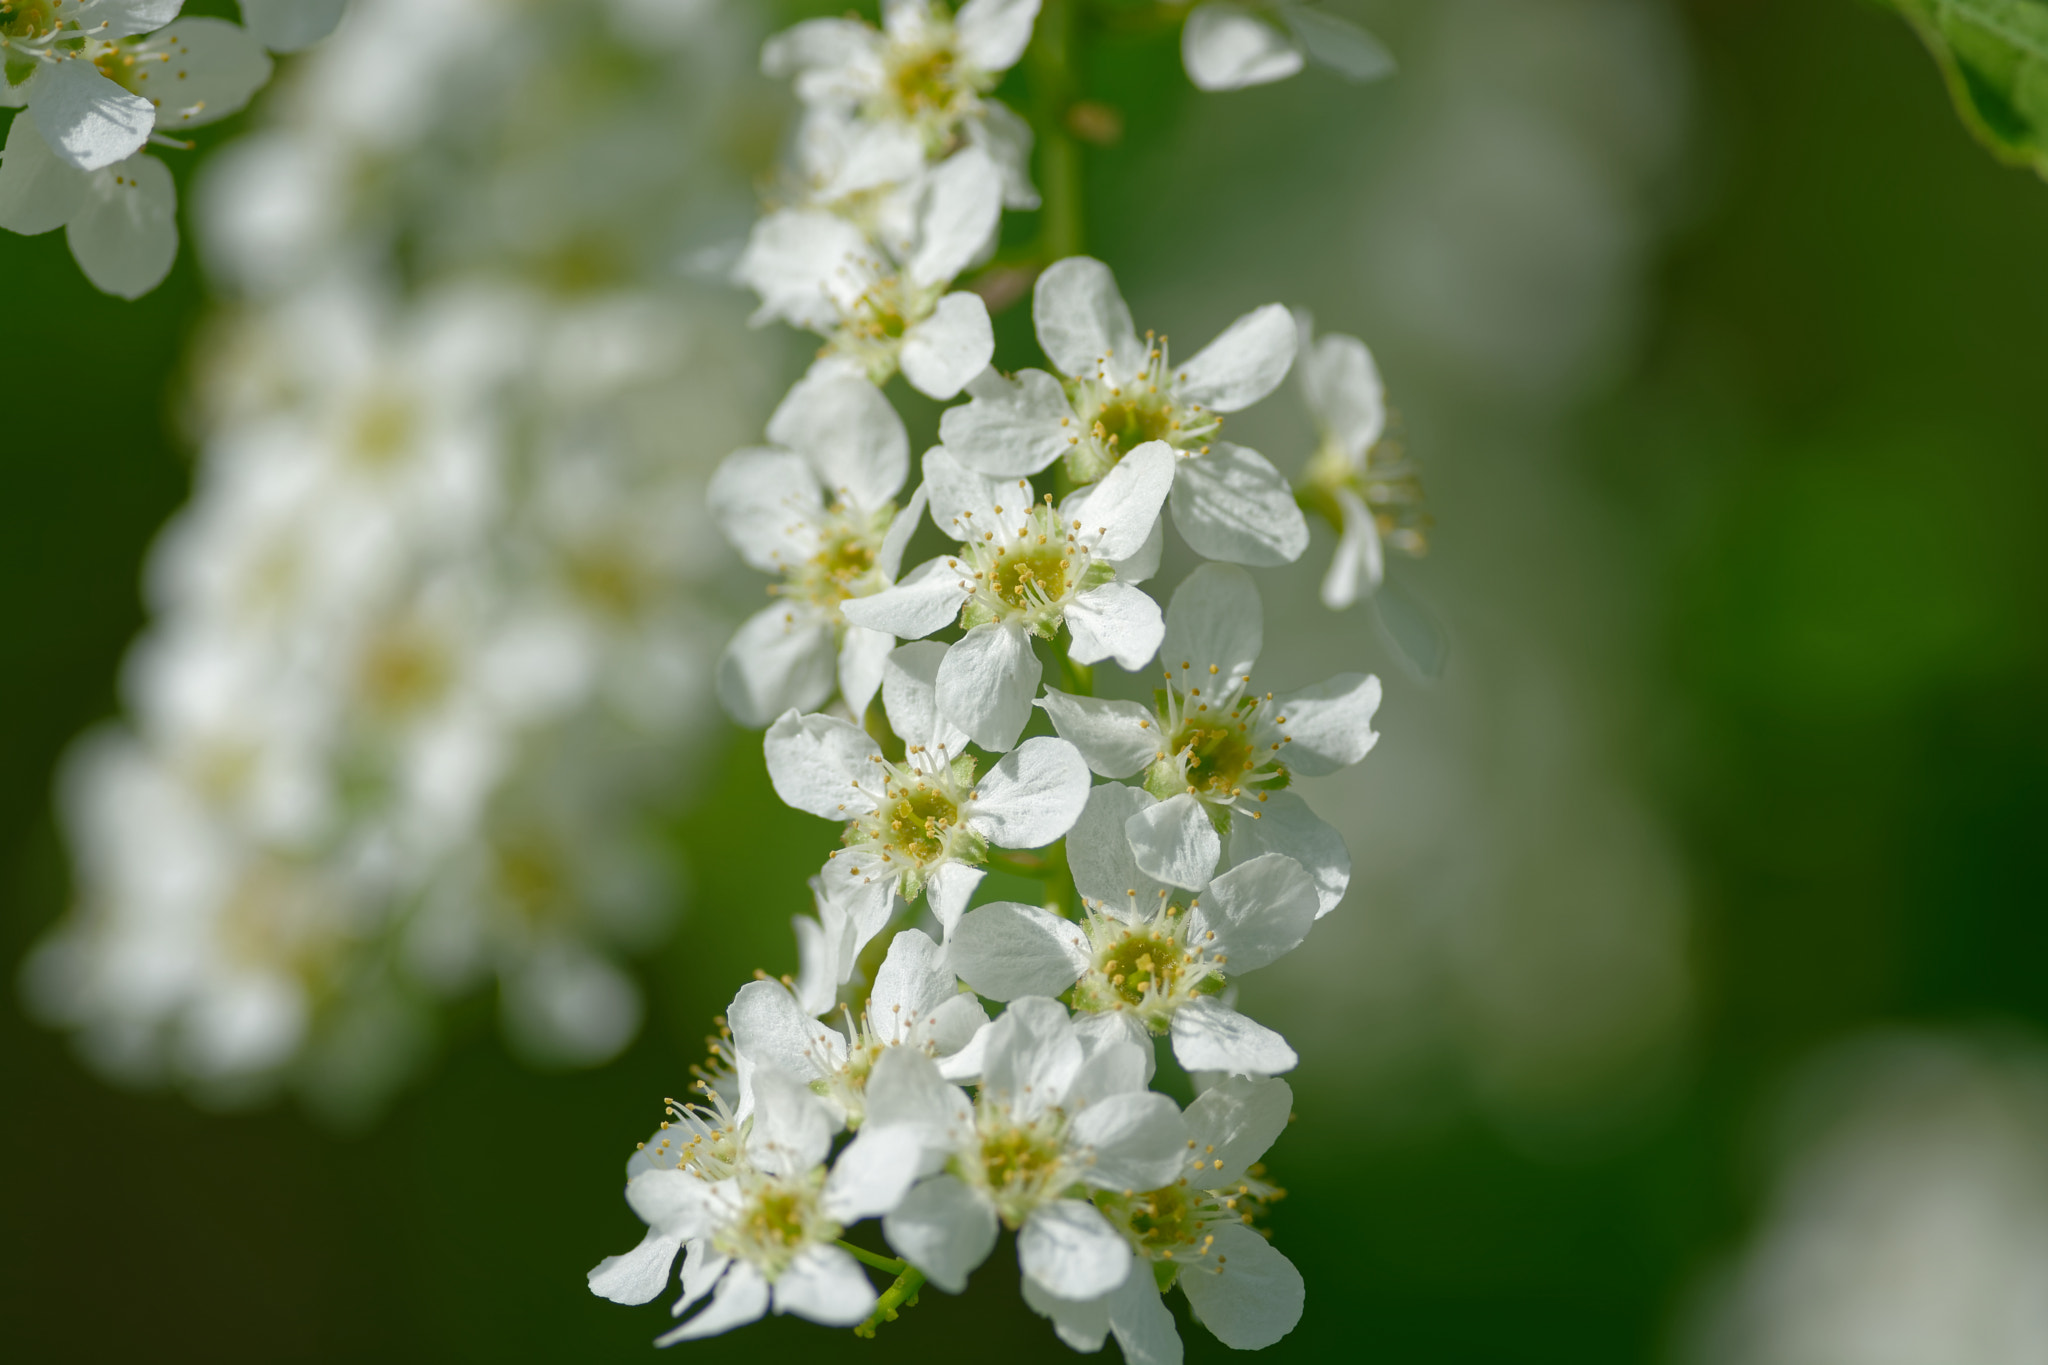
x: 921, y: 826
x: 817, y: 508
x: 916, y: 1002
x: 1220, y: 755
x: 1196, y: 1233
x: 761, y: 1223
x: 882, y: 308
x: 1060, y: 1110
x: 1148, y: 953
x: 1368, y: 492
x: 1024, y: 570
x: 1115, y: 393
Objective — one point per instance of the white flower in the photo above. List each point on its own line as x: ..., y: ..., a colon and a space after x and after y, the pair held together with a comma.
x: 1060, y: 1110
x: 880, y: 310
x: 923, y: 825
x: 1119, y: 394
x: 924, y: 75
x: 95, y: 91
x: 1023, y: 570
x: 1146, y: 952
x: 835, y: 436
x: 1220, y: 755
x: 761, y: 1222
x: 1363, y: 486
x: 1229, y: 46
x: 917, y: 1002
x: 1195, y: 1232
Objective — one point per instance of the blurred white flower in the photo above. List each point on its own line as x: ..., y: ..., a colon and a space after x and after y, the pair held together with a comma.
x: 1228, y: 46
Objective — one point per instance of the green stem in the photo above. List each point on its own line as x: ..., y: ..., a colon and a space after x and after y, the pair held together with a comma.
x: 888, y: 1265
x: 1053, y: 61
x: 902, y: 1294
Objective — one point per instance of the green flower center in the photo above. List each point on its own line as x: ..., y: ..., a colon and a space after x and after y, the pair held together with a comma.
x: 920, y: 818
x: 779, y: 1219
x: 830, y: 576
x: 382, y: 431
x: 1127, y: 422
x: 1028, y: 579
x: 1160, y: 1222
x: 1144, y: 961
x: 924, y: 83
x: 402, y: 671
x: 1218, y: 753
x: 1020, y: 1164
x: 27, y: 18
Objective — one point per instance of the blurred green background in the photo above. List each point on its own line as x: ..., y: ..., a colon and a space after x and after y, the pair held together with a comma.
x: 1806, y: 479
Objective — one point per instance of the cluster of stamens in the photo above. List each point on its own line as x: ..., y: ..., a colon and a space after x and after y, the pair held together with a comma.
x: 1389, y: 484
x: 1174, y: 1226
x: 1021, y: 1164
x: 926, y: 85
x: 1218, y: 746
x: 778, y: 1218
x: 1027, y: 567
x: 917, y: 822
x: 1150, y: 967
x: 1114, y: 415
x: 871, y: 329
x: 849, y: 542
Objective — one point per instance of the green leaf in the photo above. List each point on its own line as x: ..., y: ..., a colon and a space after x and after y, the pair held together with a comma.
x: 1994, y: 56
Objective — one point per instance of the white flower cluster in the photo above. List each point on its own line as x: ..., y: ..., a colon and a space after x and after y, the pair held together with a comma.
x: 426, y: 662
x: 97, y: 81
x: 1196, y: 861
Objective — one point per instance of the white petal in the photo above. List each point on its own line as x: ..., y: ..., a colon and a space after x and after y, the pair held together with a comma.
x: 806, y: 267
x: 1175, y: 841
x: 1007, y: 138
x: 1115, y: 621
x: 1208, y: 1035
x: 873, y: 1174
x: 912, y: 982
x: 964, y: 1066
x: 964, y: 502
x: 909, y: 698
x: 1214, y: 619
x: 817, y: 763
x: 1006, y: 950
x: 1118, y: 514
x: 1360, y: 558
x: 1259, y: 911
x: 1100, y: 855
x: 827, y: 1286
x: 1071, y: 1250
x: 1244, y: 364
x: 1032, y: 796
x: 1145, y: 563
x: 1032, y: 1056
x: 1082, y: 319
x: 946, y: 350
x: 1117, y: 1058
x: 825, y: 952
x: 772, y: 1028
x: 1233, y: 1123
x: 1341, y: 46
x: 1142, y: 1322
x: 85, y: 118
x: 1286, y: 825
x: 1232, y: 505
x: 1225, y: 48
x: 123, y: 18
x: 290, y: 25
x: 849, y: 432
x: 816, y: 43
x: 214, y: 68
x: 1255, y: 1299
x: 701, y: 1268
x: 38, y: 192
x: 1011, y: 426
x: 1344, y: 392
x: 641, y: 1274
x: 986, y: 683
x: 1135, y: 1141
x: 792, y: 1128
x: 944, y: 1229
x: 927, y: 599
x: 1081, y: 1325
x: 906, y: 1091
x: 963, y: 198
x: 125, y: 237
x: 951, y: 1028
x: 990, y: 35
x: 1116, y: 738
x: 889, y: 558
x: 674, y: 1201
x: 862, y: 656
x: 780, y: 659
x: 742, y: 1298
x: 1329, y: 725
x: 948, y: 890
x: 767, y: 503
x: 863, y: 883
